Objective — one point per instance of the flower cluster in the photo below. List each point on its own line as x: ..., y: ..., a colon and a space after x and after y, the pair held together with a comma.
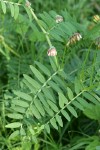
x: 52, y: 51
x: 74, y: 38
x: 96, y: 18
x: 59, y: 19
x: 28, y: 4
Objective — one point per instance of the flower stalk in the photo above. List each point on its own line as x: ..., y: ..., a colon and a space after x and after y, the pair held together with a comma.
x: 44, y: 31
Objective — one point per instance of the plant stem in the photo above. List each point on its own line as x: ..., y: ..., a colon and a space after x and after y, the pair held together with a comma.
x: 44, y: 31
x: 46, y: 34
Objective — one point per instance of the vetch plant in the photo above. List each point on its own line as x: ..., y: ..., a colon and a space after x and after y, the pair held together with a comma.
x: 58, y: 87
x: 52, y: 52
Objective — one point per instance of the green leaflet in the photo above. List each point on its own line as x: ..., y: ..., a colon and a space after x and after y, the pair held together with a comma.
x: 19, y: 109
x: 72, y: 111
x: 48, y: 19
x: 60, y: 32
x: 78, y: 105
x: 12, y: 9
x: 97, y: 97
x: 70, y: 93
x: 20, y: 103
x: 38, y: 75
x: 13, y: 125
x: 3, y: 6
x: 30, y: 86
x: 43, y: 24
x: 66, y: 115
x: 83, y: 102
x: 44, y: 69
x: 15, y: 116
x: 62, y: 100
x: 53, y: 63
x: 53, y: 106
x: 55, y: 86
x: 90, y: 98
x: 59, y: 81
x: 31, y: 130
x: 77, y: 86
x: 62, y: 74
x: 35, y: 112
x: 34, y: 83
x: 14, y: 134
x: 16, y: 12
x: 48, y: 94
x: 36, y: 31
x: 42, y: 99
x: 93, y: 112
x: 22, y: 131
x: 23, y: 95
x: 53, y: 123
x: 55, y: 35
x: 39, y: 107
x: 47, y: 128
x: 49, y: 111
x: 28, y: 13
x: 59, y: 120
x: 52, y: 13
x: 46, y: 105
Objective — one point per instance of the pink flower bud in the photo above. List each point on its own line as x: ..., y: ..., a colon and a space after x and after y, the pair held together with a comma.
x: 74, y: 38
x: 59, y: 19
x: 52, y: 52
x: 28, y: 4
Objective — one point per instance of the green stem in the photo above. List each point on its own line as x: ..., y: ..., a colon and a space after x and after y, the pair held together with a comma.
x: 44, y: 31
x: 46, y: 34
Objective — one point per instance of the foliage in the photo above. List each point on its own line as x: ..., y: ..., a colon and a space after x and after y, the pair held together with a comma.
x: 42, y: 94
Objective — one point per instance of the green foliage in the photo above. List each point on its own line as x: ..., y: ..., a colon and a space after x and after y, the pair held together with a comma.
x: 93, y: 112
x: 14, y: 8
x: 59, y: 105
x: 42, y: 94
